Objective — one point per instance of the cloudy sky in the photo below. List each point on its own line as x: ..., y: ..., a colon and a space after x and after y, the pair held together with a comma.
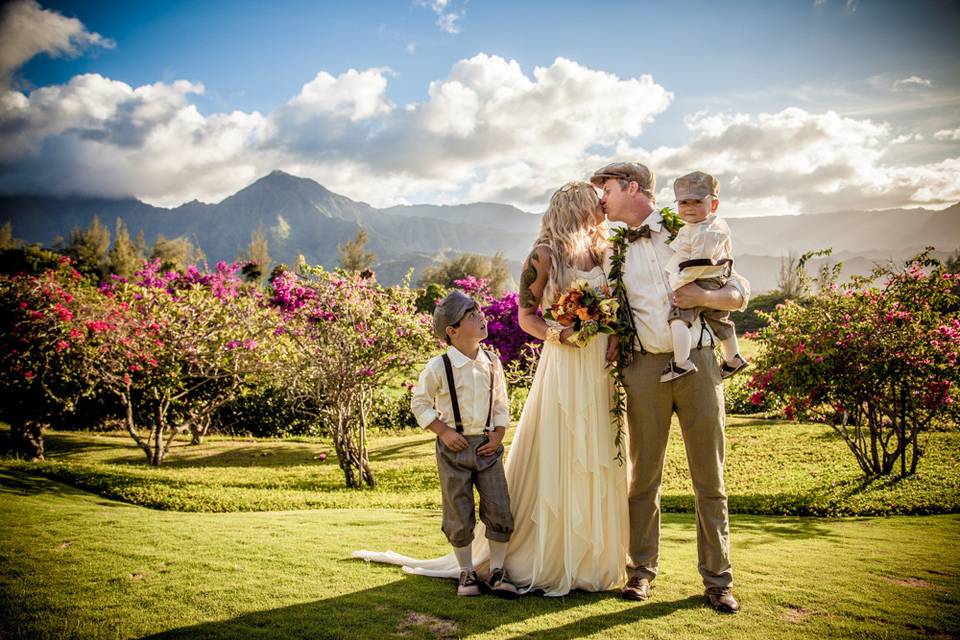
x: 805, y: 106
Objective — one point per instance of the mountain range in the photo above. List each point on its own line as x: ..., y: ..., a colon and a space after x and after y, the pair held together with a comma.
x: 301, y: 216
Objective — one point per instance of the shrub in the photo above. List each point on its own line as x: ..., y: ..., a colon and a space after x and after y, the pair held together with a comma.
x: 174, y: 348
x: 876, y: 359
x: 742, y: 398
x: 44, y: 368
x: 349, y: 336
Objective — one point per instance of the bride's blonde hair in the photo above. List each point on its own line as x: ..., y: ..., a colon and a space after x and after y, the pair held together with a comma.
x: 568, y: 229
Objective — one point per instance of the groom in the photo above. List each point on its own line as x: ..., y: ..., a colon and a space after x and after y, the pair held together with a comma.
x: 628, y: 197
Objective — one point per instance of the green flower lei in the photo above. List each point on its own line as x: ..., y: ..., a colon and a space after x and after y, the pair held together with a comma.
x: 625, y: 328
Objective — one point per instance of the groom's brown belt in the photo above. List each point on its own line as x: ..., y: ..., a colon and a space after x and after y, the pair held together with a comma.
x: 448, y: 367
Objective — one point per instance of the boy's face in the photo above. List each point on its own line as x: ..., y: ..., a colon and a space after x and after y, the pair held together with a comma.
x: 694, y: 211
x: 473, y: 327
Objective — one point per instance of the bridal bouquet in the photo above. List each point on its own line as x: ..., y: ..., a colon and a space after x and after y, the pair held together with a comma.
x: 589, y: 310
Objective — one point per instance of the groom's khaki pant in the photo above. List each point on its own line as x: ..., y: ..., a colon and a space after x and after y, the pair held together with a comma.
x: 698, y: 402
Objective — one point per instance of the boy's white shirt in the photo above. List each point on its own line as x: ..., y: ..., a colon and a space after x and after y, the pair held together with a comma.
x: 707, y: 239
x: 648, y: 289
x: 431, y: 398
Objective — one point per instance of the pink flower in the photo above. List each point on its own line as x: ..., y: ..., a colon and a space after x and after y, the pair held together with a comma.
x: 61, y: 345
x: 135, y: 368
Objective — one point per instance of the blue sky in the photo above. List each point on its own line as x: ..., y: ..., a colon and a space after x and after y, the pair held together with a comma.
x: 797, y: 106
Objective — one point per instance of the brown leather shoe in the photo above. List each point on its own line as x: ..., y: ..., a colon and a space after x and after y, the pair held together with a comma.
x: 722, y: 600
x: 637, y: 589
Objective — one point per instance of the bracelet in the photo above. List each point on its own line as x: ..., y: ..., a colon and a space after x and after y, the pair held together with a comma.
x: 553, y: 335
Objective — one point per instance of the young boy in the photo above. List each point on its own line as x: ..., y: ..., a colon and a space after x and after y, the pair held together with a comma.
x: 702, y: 254
x: 462, y: 397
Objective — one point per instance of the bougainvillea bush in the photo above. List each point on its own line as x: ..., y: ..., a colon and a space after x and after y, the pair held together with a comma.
x: 176, y: 347
x: 350, y: 337
x: 876, y: 359
x: 43, y: 366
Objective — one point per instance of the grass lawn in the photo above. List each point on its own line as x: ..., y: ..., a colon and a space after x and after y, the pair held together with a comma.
x: 772, y: 467
x: 76, y: 565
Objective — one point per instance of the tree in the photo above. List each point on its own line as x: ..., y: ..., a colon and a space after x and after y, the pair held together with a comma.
x: 88, y: 249
x: 350, y: 337
x: 876, y: 359
x: 788, y: 280
x: 175, y: 253
x: 494, y: 270
x: 353, y: 256
x: 175, y: 348
x: 123, y: 258
x: 258, y: 252
x: 7, y: 241
x: 43, y: 366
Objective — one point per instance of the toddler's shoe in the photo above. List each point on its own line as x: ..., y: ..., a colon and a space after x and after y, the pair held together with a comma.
x: 469, y: 583
x: 500, y: 585
x: 674, y: 370
x: 738, y: 365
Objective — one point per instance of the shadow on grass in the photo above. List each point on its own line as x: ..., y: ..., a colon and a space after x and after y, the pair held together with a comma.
x: 65, y: 443
x: 183, y: 455
x: 398, y: 451
x: 418, y: 607
x: 19, y: 483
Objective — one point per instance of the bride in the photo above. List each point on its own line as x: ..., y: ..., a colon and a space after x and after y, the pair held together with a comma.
x: 567, y: 492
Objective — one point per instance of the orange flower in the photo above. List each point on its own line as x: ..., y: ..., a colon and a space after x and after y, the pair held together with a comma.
x: 566, y: 319
x: 583, y: 313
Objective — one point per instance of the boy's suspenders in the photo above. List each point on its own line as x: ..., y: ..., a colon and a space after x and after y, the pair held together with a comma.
x: 448, y: 367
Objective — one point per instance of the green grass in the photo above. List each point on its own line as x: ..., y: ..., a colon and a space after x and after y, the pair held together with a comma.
x: 75, y: 565
x: 772, y: 467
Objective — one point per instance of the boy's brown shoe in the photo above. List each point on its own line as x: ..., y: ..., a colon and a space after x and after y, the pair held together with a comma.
x: 501, y: 586
x: 469, y: 584
x: 637, y: 588
x: 722, y: 600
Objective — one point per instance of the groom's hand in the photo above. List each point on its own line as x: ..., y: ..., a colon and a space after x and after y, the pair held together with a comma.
x: 452, y: 440
x: 689, y: 296
x: 727, y: 298
x: 613, y: 348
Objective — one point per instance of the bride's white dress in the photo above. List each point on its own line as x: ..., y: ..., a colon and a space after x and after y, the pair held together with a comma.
x: 567, y: 491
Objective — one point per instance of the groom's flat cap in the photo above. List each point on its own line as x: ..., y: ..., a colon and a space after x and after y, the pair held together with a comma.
x: 632, y: 171
x: 696, y: 186
x: 451, y: 310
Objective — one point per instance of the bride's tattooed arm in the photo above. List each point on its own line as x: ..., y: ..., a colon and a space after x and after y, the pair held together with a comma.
x: 533, y: 280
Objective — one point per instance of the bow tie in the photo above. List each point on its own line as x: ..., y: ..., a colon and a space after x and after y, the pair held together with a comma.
x: 642, y: 232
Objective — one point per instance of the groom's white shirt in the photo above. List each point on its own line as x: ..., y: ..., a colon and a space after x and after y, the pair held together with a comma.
x: 648, y: 289
x: 431, y: 398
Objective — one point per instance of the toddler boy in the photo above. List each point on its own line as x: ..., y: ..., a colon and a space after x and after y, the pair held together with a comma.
x: 703, y: 254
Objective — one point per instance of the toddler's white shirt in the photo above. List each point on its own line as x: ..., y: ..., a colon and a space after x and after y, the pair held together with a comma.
x: 708, y: 239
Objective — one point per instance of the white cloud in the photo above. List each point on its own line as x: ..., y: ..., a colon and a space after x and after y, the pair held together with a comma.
x: 411, y: 47
x: 487, y: 131
x: 912, y: 81
x: 26, y: 30
x: 885, y: 82
x: 355, y: 95
x: 948, y: 134
x: 448, y: 18
x: 95, y: 135
x: 794, y: 161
